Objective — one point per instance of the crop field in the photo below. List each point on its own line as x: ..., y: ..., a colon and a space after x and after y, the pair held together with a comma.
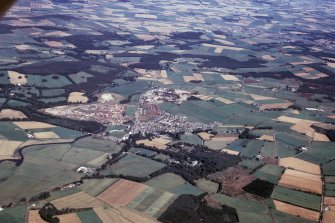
x: 251, y: 163
x: 77, y: 97
x: 8, y: 148
x: 297, y: 211
x: 159, y: 143
x: 298, y: 198
x: 128, y: 189
x: 166, y: 181
x: 322, y: 150
x: 301, y: 165
x: 51, y: 164
x: 69, y: 218
x: 134, y: 165
x: 11, y: 114
x: 96, y: 186
x: 13, y: 214
x: 46, y: 135
x: 252, y: 149
x: 122, y: 215
x: 98, y: 144
x: 77, y: 200
x: 88, y: 216
x: 207, y: 186
x: 34, y: 217
x: 270, y: 173
x: 190, y: 138
x: 291, y: 140
x: 33, y: 125
x: 186, y: 188
x: 80, y: 77
x: 152, y: 201
x: 301, y: 181
x: 274, y: 150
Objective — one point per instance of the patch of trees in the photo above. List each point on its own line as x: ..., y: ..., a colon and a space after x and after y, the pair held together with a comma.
x: 260, y: 188
x: 42, y: 196
x: 193, y: 209
x: 247, y: 134
x: 48, y: 212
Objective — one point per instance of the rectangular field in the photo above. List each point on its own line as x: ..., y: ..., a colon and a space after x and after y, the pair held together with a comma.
x: 122, y: 192
x: 298, y: 198
x: 297, y: 211
x: 301, y: 181
x: 78, y: 200
x: 301, y: 165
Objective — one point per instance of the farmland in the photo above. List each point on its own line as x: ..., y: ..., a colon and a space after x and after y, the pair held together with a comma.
x: 167, y: 111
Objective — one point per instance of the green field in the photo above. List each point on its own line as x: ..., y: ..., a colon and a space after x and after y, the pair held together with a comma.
x: 252, y: 149
x: 270, y: 173
x: 166, y: 181
x: 88, y: 216
x: 299, y: 198
x: 207, y: 186
x: 274, y: 150
x: 191, y: 138
x: 96, y: 186
x: 251, y: 163
x: 13, y: 215
x: 134, y: 165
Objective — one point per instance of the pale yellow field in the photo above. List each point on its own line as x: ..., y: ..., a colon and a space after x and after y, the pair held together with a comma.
x: 22, y: 47
x: 33, y: 125
x: 301, y: 181
x: 119, y: 214
x: 8, y: 148
x: 34, y: 217
x: 122, y: 192
x: 297, y: 211
x: 260, y: 97
x: 229, y: 77
x: 195, y: 77
x: 69, y: 218
x: 288, y: 119
x: 159, y: 143
x: 301, y: 165
x: 16, y: 78
x: 320, y: 137
x: 77, y: 200
x: 46, y: 135
x: 54, y: 44
x: 205, y: 136
x: 230, y: 152
x: 267, y: 138
x: 77, y: 97
x: 226, y: 101
x: 305, y: 127
x: 268, y: 57
x: 11, y: 114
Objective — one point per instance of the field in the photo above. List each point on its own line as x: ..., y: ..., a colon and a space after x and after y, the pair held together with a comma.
x: 69, y: 218
x: 207, y: 186
x: 33, y: 125
x: 297, y: 211
x: 152, y: 201
x: 16, y: 78
x: 190, y: 138
x: 134, y: 165
x: 301, y: 165
x: 95, y: 186
x: 46, y: 135
x: 128, y: 189
x: 251, y: 163
x: 121, y: 215
x: 166, y: 181
x: 77, y: 200
x: 301, y: 181
x: 274, y: 150
x: 158, y: 143
x: 88, y: 216
x: 77, y: 97
x: 8, y: 148
x: 298, y: 198
x: 13, y: 214
x: 270, y: 173
x: 252, y: 149
x: 11, y: 114
x: 34, y: 217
